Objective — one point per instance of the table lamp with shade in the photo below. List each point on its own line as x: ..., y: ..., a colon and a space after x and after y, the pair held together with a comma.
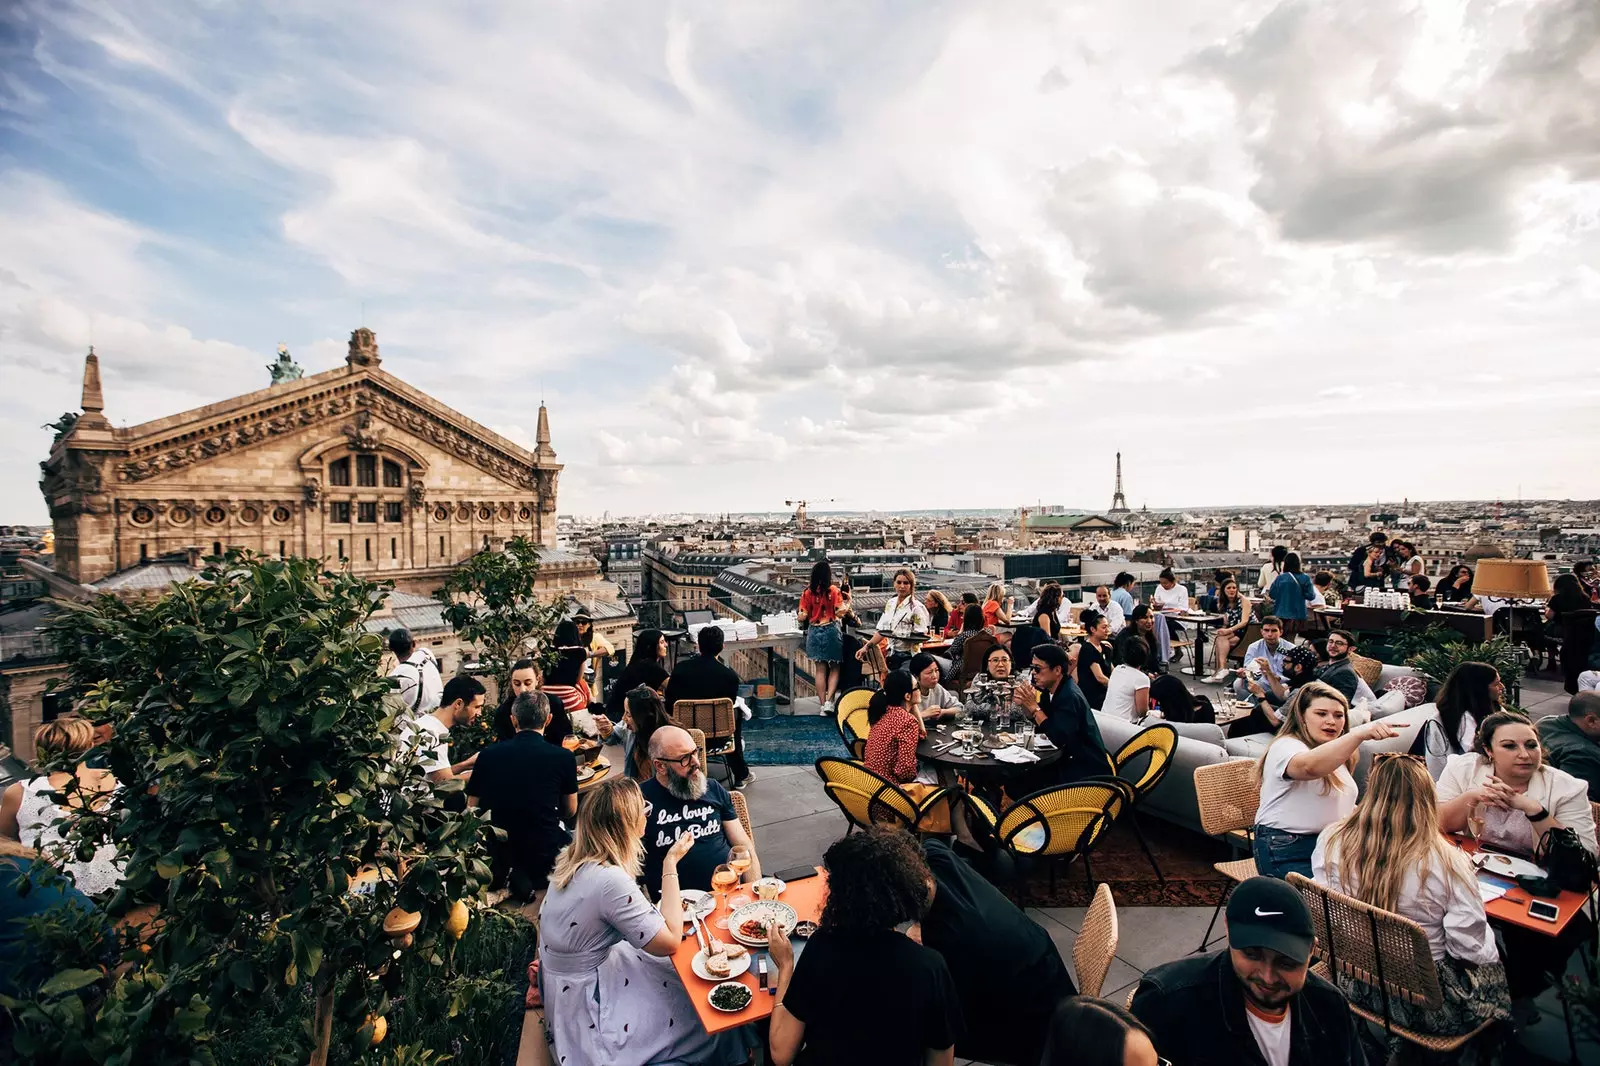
x: 1512, y: 580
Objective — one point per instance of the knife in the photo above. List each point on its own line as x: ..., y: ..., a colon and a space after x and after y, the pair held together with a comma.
x: 700, y: 935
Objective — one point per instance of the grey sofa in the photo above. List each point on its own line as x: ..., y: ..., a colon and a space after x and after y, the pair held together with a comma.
x: 1173, y: 799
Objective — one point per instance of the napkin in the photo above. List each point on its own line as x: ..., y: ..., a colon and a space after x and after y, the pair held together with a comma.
x: 1014, y: 755
x: 1043, y: 743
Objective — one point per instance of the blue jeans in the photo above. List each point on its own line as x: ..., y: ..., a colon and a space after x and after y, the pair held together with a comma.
x: 1278, y: 853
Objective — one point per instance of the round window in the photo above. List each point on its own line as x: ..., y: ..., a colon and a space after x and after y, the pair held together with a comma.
x: 505, y: 513
x: 143, y: 516
x: 216, y: 515
x: 463, y: 513
x: 484, y: 514
x: 441, y: 513
x: 526, y: 514
x: 250, y: 515
x: 180, y: 515
x: 280, y: 515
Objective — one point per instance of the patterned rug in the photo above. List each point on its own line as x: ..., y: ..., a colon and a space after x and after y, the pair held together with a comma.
x: 1185, y: 857
x: 791, y: 740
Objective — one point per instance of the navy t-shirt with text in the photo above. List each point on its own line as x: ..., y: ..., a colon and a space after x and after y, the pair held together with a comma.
x: 666, y: 816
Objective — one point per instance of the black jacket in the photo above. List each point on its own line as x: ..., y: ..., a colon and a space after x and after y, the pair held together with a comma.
x: 1195, y: 1009
x: 1070, y: 725
x: 1342, y: 676
x: 701, y: 678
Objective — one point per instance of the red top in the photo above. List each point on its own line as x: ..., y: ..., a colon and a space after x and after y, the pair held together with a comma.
x: 817, y: 610
x: 991, y: 612
x: 892, y: 746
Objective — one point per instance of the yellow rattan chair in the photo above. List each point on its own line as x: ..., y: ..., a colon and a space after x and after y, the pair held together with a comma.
x: 1057, y: 825
x: 1097, y: 943
x: 850, y: 716
x: 1380, y: 949
x: 1227, y: 794
x: 868, y: 799
x: 1142, y: 762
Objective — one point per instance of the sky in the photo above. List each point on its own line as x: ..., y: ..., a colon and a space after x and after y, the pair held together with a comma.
x: 874, y: 255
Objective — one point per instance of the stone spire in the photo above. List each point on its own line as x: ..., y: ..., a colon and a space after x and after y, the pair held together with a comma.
x: 94, y: 401
x: 544, y: 451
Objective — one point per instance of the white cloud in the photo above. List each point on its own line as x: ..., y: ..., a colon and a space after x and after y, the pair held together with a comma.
x: 765, y: 239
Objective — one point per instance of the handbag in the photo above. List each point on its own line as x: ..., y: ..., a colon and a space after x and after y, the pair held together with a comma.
x: 1566, y: 861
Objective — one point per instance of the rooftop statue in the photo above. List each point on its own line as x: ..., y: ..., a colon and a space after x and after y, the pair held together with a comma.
x: 285, y: 369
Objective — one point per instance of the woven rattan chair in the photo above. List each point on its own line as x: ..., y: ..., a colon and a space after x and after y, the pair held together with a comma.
x: 869, y: 799
x: 851, y: 718
x: 1228, y: 794
x: 742, y: 809
x: 1058, y: 825
x: 1142, y: 762
x: 699, y: 739
x: 1368, y: 670
x: 1380, y: 949
x: 1097, y: 943
x: 714, y: 718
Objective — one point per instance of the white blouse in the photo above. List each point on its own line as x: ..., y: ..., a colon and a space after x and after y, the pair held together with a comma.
x: 910, y: 609
x: 1564, y: 796
x: 1450, y: 912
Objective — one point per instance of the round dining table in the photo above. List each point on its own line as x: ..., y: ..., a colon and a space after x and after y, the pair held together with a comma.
x: 984, y: 764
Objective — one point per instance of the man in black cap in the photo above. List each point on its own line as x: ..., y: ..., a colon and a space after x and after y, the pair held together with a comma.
x: 1255, y: 1002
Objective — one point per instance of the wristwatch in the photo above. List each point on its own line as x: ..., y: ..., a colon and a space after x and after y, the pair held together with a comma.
x: 1539, y: 815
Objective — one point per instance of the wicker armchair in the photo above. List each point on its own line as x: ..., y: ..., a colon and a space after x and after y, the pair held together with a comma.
x: 1377, y: 948
x: 742, y: 809
x: 1060, y: 824
x: 714, y: 718
x: 1142, y: 762
x: 1097, y: 943
x: 1228, y: 794
x: 851, y: 719
x: 869, y: 799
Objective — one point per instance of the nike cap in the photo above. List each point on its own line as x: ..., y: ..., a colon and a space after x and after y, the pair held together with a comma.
x: 1264, y: 912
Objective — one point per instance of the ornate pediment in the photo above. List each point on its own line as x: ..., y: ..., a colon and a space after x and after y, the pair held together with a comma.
x: 365, y: 407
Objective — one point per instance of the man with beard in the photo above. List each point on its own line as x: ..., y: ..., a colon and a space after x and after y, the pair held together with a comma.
x: 1255, y: 1002
x: 1339, y: 672
x: 680, y: 798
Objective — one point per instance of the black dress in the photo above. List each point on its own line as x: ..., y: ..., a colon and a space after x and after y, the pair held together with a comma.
x: 1090, y: 654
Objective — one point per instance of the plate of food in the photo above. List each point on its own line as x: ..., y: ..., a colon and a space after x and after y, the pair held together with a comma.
x: 768, y: 888
x: 1492, y: 862
x: 730, y: 997
x: 697, y: 903
x: 584, y: 773
x: 749, y: 923
x: 728, y: 962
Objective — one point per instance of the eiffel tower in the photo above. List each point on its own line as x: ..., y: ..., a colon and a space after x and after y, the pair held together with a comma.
x: 1119, y: 502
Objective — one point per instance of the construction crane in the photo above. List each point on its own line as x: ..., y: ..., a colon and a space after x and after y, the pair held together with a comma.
x: 800, y: 510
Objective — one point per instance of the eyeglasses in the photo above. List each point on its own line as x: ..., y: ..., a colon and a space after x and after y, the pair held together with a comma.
x: 684, y: 761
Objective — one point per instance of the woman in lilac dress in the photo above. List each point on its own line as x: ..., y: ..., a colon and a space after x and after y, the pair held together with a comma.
x: 605, y: 954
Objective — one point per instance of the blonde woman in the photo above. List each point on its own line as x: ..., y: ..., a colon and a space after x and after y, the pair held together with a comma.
x: 903, y: 611
x: 1390, y: 853
x: 605, y: 971
x: 997, y: 606
x: 1306, y: 779
x: 29, y: 810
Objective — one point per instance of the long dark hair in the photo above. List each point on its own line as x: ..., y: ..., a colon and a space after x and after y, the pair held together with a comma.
x: 876, y: 880
x: 894, y: 693
x: 821, y: 578
x: 570, y: 655
x: 646, y: 647
x: 971, y: 618
x: 649, y: 714
x: 1049, y: 600
x: 1291, y: 563
x: 1465, y: 691
x: 1085, y: 1031
x: 1449, y: 581
x: 1569, y: 595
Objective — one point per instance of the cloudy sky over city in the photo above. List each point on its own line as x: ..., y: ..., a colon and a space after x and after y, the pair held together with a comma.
x: 895, y: 254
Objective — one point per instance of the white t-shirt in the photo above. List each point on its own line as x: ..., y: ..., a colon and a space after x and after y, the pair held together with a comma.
x: 419, y: 674
x: 431, y: 738
x: 1120, y: 687
x: 1301, y: 806
x: 1271, y: 1037
x: 1174, y: 599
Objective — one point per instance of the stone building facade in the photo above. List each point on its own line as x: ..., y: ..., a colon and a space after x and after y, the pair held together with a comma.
x: 350, y: 464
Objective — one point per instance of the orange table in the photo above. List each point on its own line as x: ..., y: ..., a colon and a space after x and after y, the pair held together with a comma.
x: 1512, y: 908
x: 806, y: 899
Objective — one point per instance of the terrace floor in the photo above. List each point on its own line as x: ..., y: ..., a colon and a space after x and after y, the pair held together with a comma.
x: 795, y: 822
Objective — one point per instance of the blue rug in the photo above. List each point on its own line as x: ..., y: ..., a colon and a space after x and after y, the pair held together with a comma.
x: 791, y: 740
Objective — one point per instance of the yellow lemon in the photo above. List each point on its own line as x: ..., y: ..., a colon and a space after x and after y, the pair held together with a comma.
x: 456, y: 924
x: 380, y: 1028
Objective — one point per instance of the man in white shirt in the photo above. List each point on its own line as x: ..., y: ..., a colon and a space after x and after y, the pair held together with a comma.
x: 417, y: 673
x: 1110, y: 608
x: 461, y: 704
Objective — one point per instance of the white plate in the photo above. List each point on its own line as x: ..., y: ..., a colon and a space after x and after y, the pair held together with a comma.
x: 766, y: 910
x: 584, y: 773
x: 1507, y: 865
x: 731, y: 1010
x: 702, y: 902
x: 735, y: 967
x: 755, y: 888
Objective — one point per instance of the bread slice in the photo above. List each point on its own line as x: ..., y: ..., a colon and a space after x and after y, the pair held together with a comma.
x: 718, y: 966
x: 735, y: 951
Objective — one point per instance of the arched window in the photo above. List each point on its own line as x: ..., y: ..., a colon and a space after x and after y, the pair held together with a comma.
x: 391, y: 475
x: 339, y: 472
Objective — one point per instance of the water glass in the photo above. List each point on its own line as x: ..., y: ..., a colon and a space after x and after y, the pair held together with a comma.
x: 1025, y: 734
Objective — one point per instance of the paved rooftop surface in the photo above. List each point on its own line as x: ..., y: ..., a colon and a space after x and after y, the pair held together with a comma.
x: 795, y: 822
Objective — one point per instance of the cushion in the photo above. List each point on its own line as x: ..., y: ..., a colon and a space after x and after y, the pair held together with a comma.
x: 1366, y: 669
x: 1413, y: 688
x: 1251, y: 747
x: 1204, y: 732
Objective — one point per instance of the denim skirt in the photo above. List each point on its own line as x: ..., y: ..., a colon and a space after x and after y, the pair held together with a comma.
x: 824, y: 644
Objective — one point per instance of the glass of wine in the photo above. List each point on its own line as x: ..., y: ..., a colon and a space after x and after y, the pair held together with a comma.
x: 1475, y: 822
x: 723, y: 878
x: 739, y: 858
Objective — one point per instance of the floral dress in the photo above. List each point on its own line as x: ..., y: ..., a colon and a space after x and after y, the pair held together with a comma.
x: 607, y: 1000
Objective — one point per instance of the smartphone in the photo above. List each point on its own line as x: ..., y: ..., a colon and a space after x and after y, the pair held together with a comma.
x: 797, y: 873
x: 1544, y: 911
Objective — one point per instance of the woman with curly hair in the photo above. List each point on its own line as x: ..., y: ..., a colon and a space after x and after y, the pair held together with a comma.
x: 878, y: 883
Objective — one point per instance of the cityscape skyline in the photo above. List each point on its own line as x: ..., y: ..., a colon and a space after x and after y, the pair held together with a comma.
x: 954, y: 256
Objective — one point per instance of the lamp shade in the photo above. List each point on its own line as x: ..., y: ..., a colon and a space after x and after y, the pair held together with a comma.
x: 1520, y: 579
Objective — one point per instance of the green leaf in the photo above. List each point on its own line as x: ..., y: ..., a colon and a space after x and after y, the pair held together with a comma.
x: 343, y: 799
x: 69, y: 981
x: 242, y: 974
x: 326, y: 716
x: 167, y: 869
